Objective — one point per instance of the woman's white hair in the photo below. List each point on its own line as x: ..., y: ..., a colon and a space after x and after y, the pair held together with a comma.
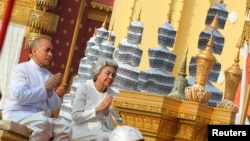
x: 101, y: 63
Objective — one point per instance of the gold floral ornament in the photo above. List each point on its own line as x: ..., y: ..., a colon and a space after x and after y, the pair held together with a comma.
x: 39, y: 20
x: 43, y: 20
x: 46, y: 4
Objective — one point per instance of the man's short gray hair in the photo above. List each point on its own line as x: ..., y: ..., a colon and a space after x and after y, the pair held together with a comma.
x: 101, y: 63
x: 37, y: 41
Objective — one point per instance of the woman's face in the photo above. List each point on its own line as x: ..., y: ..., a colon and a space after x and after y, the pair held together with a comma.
x: 106, y: 76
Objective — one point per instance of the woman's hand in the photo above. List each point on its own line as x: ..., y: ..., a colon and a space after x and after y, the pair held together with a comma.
x: 105, y: 104
x: 106, y: 111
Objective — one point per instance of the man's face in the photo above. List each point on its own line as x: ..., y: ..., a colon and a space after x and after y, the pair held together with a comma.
x: 42, y: 54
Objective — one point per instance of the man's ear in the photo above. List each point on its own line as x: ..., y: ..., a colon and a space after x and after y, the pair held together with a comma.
x: 33, y: 50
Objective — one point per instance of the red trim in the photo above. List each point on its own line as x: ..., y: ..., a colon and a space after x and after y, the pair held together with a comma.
x: 5, y: 21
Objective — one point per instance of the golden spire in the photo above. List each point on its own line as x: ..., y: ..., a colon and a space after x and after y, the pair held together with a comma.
x: 210, y: 43
x: 169, y: 16
x: 205, y: 61
x: 109, y: 37
x: 214, y: 24
x: 94, y: 34
x: 104, y: 22
x: 232, y: 78
x: 234, y: 74
x: 139, y: 16
x: 112, y: 27
x: 237, y: 60
x: 110, y: 32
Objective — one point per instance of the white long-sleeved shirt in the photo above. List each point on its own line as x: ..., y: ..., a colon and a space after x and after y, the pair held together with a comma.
x: 84, y: 116
x: 27, y: 92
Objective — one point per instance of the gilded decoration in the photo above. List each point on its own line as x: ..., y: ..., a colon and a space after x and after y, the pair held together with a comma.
x: 140, y: 107
x: 191, y: 131
x: 163, y: 118
x: 155, y: 104
x: 233, y: 77
x: 43, y: 20
x: 20, y: 11
x: 222, y: 116
x: 46, y: 4
x: 246, y: 33
x: 101, y: 6
x: 7, y: 135
x: 195, y: 111
x: 98, y: 11
x: 247, y: 6
x: 151, y: 124
x: 40, y: 20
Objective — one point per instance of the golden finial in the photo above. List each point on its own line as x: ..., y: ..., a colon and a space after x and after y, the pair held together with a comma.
x: 240, y: 43
x: 104, y: 22
x: 109, y: 37
x: 214, y: 24
x: 139, y: 16
x: 237, y: 60
x: 112, y: 27
x: 94, y: 34
x: 169, y: 16
x: 210, y: 42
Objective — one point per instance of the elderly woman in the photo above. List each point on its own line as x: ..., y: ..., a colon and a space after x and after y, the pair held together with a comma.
x: 91, y: 117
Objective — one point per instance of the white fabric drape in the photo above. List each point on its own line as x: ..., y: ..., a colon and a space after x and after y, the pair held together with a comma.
x: 9, y: 55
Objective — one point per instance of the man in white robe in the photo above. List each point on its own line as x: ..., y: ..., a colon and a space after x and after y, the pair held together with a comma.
x: 32, y: 93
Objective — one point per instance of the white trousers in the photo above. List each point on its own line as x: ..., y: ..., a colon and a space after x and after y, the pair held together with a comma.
x: 47, y: 129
